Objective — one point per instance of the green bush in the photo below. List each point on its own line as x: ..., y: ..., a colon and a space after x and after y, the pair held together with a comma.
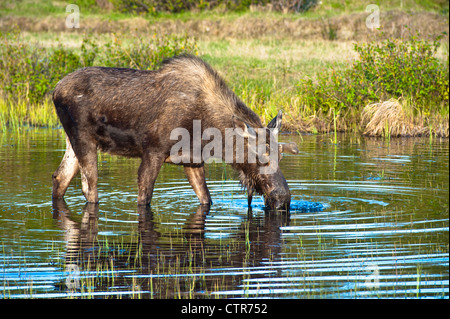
x: 30, y: 72
x: 390, y: 69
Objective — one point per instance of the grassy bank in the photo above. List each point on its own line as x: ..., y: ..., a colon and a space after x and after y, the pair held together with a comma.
x: 321, y: 76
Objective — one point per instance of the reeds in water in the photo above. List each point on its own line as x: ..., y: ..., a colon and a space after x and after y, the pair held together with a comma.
x: 15, y: 114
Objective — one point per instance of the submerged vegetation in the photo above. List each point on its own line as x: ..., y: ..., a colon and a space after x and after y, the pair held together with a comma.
x: 319, y: 88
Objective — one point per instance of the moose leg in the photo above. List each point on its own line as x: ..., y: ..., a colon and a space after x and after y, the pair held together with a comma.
x: 196, y: 177
x: 147, y: 173
x: 89, y: 177
x: 65, y: 172
x: 84, y: 184
x: 87, y: 158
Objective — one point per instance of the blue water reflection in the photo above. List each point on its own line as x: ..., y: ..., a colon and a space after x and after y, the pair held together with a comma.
x: 367, y: 220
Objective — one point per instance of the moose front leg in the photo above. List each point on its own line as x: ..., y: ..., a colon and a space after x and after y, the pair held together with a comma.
x: 196, y: 177
x: 147, y: 173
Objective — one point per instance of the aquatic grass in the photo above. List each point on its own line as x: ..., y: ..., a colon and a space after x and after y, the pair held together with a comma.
x: 16, y: 114
x: 43, y: 115
x: 335, y: 141
x: 385, y: 119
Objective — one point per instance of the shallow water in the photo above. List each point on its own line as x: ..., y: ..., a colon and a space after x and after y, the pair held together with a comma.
x: 368, y: 219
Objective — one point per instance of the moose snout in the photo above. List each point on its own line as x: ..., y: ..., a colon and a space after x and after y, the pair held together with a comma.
x: 279, y: 199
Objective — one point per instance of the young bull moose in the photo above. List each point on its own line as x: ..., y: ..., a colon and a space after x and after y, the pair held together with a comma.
x: 133, y: 113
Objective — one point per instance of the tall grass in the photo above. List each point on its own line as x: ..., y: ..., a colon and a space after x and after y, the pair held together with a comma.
x: 14, y: 114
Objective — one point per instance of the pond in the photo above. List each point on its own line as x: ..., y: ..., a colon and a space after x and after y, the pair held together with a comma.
x: 369, y: 219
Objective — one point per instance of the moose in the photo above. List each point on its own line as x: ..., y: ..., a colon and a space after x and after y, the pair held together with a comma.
x: 132, y: 113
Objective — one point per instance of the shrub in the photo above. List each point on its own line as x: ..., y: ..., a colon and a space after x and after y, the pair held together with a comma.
x: 30, y: 72
x: 390, y: 69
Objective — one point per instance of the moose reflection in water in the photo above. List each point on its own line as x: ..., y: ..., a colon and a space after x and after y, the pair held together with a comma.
x: 183, y: 263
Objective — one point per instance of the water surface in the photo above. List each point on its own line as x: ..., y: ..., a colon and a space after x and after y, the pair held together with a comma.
x: 369, y: 219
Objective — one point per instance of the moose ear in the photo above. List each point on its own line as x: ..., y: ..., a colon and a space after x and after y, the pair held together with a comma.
x: 290, y: 148
x: 275, y: 123
x: 243, y: 129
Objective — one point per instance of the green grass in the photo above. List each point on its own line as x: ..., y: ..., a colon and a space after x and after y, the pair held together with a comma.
x: 264, y: 73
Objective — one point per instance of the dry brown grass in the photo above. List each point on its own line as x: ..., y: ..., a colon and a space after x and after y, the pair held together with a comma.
x: 389, y: 119
x: 346, y: 27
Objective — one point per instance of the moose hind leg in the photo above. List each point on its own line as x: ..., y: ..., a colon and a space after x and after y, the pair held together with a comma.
x: 84, y: 184
x: 196, y: 177
x: 89, y: 172
x: 65, y: 172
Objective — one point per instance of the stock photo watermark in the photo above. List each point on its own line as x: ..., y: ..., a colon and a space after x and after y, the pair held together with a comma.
x: 373, y: 19
x: 373, y: 280
x: 73, y: 19
x: 73, y: 278
x: 240, y: 145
